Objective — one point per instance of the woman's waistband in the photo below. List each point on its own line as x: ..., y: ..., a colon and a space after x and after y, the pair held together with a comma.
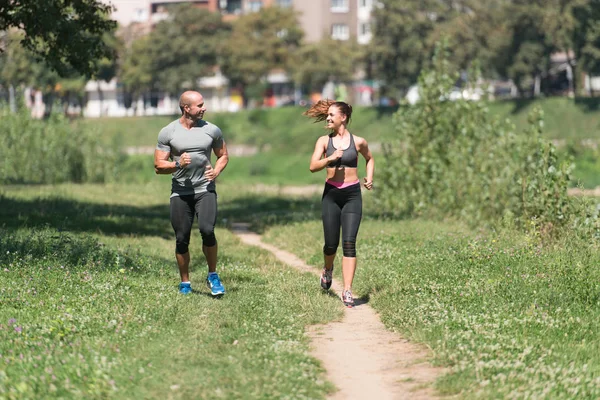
x: 342, y: 185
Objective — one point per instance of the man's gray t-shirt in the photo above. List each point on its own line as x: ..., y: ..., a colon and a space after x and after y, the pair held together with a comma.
x: 198, y: 143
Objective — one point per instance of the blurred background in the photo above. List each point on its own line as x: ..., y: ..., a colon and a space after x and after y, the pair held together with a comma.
x: 273, y: 53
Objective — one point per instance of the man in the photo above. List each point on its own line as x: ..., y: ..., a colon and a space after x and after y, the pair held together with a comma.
x: 184, y: 150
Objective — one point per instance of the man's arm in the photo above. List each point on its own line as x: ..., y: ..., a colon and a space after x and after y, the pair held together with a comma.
x: 222, y: 160
x: 162, y: 165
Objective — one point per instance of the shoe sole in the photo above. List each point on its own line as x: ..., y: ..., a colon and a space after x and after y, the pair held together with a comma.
x: 325, y: 285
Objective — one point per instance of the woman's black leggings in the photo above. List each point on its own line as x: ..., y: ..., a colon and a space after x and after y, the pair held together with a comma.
x: 183, y: 209
x: 341, y: 208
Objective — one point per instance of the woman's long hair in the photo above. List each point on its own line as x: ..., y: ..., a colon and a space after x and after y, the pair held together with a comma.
x: 320, y: 109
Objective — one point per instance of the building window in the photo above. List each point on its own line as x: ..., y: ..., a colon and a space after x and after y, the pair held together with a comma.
x: 340, y: 32
x: 365, y: 29
x: 284, y: 3
x: 232, y: 7
x: 255, y: 5
x: 339, y: 6
x: 364, y: 3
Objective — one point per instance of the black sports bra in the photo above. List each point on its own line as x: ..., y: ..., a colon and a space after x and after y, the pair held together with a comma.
x: 350, y: 157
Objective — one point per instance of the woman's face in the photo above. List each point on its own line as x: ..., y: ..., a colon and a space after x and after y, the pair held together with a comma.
x: 335, y: 118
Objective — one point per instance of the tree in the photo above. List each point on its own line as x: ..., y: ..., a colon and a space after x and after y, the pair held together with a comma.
x: 400, y: 45
x: 475, y: 31
x: 106, y: 67
x: 67, y: 34
x: 260, y: 42
x: 585, y: 36
x: 182, y: 49
x: 136, y: 72
x: 317, y: 62
x: 19, y: 67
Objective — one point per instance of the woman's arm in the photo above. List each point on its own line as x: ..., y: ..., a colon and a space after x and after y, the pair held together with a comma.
x: 363, y: 148
x: 317, y: 162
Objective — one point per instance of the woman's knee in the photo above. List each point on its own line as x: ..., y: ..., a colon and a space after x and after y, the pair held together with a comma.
x: 349, y: 248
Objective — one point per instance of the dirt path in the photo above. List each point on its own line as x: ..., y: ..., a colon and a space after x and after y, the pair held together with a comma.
x: 362, y: 358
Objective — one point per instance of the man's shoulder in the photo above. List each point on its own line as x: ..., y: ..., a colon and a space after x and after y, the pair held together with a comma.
x: 209, y: 125
x: 211, y: 128
x: 170, y: 127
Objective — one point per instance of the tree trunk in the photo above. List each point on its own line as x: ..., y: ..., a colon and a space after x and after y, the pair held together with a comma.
x: 572, y: 76
x: 536, y: 85
x: 11, y: 99
x: 101, y: 98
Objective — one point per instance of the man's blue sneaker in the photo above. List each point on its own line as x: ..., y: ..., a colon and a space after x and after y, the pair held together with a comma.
x: 214, y: 284
x: 185, y: 288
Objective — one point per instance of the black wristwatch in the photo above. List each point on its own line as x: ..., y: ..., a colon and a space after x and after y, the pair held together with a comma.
x: 177, y: 165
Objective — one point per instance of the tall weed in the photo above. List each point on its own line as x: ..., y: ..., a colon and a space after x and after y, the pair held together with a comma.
x: 52, y: 151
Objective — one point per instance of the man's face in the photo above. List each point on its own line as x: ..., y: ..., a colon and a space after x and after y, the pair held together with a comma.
x: 196, y: 108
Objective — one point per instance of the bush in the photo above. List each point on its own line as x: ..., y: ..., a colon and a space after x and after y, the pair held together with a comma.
x: 452, y: 159
x: 51, y: 151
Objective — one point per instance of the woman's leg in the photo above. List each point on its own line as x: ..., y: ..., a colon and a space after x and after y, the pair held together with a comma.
x: 351, y: 216
x: 330, y: 213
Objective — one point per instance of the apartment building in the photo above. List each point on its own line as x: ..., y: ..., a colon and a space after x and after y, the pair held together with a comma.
x: 339, y: 19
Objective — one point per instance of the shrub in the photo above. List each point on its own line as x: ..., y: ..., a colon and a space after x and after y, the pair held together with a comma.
x: 453, y: 159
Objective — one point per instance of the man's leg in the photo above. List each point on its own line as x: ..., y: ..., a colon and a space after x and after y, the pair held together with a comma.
x: 182, y: 217
x: 183, y: 262
x: 211, y: 257
x: 206, y: 209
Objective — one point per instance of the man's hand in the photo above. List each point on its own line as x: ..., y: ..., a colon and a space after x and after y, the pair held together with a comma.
x: 184, y: 160
x: 210, y: 173
x: 368, y: 184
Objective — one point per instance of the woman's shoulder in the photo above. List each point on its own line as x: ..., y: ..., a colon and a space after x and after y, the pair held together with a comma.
x: 359, y: 140
x: 323, y: 139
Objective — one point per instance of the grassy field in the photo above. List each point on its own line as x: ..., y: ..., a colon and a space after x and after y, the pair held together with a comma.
x: 286, y: 137
x: 509, y: 317
x: 89, y: 306
x: 286, y: 128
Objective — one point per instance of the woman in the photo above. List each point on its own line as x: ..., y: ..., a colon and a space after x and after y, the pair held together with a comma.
x: 342, y: 201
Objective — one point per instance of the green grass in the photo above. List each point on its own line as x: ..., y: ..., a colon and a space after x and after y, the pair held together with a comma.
x: 564, y: 118
x: 509, y: 318
x: 286, y: 128
x: 89, y: 304
x: 286, y: 138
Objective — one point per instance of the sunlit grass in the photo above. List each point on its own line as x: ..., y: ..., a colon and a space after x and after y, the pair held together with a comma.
x: 510, y: 317
x: 89, y: 305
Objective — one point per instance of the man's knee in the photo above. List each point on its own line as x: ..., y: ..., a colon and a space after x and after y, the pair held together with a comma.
x: 181, y: 247
x: 349, y: 248
x: 208, y: 237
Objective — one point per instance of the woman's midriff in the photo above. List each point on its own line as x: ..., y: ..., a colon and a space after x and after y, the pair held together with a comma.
x: 342, y: 175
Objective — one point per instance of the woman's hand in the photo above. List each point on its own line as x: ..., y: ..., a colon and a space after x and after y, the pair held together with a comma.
x: 336, y: 155
x: 368, y: 184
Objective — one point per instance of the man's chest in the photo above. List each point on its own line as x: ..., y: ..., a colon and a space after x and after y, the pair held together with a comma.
x: 192, y: 141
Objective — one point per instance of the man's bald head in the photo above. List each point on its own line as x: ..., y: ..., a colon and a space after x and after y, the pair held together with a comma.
x: 188, y: 98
